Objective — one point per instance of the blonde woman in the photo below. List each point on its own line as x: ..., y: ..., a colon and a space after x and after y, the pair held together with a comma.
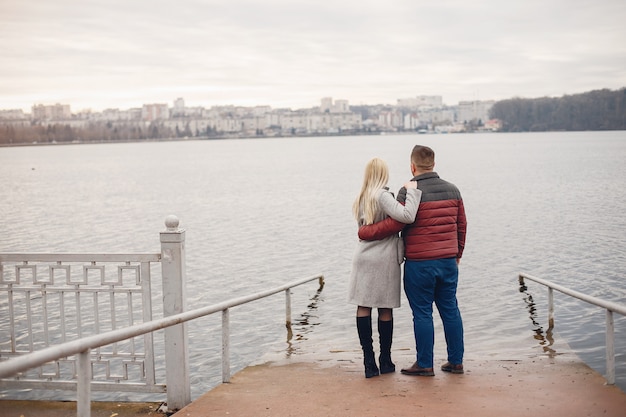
x: 375, y: 277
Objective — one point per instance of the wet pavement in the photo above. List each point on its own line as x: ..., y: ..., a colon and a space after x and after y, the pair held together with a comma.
x: 336, y: 387
x: 513, y: 388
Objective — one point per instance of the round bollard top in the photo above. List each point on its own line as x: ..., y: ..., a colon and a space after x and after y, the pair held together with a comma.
x: 171, y: 222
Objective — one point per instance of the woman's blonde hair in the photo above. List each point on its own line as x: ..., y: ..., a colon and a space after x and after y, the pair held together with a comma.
x: 376, y: 177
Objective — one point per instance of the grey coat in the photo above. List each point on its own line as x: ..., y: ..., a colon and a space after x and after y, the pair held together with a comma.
x: 375, y: 277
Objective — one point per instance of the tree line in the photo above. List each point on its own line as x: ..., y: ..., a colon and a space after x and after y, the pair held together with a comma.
x: 594, y: 110
x: 94, y: 132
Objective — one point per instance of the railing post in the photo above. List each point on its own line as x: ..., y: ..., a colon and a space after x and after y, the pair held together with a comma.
x: 288, y: 315
x: 83, y: 384
x: 176, y: 343
x: 288, y: 307
x: 550, y: 308
x: 226, y: 345
x: 610, y: 348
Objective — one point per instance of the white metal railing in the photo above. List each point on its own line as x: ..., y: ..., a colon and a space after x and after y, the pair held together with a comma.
x: 609, y: 306
x: 83, y: 346
x: 79, y: 351
x: 52, y: 298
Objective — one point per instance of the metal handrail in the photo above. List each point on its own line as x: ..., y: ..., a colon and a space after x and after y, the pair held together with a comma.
x: 79, y: 257
x: 82, y: 346
x: 609, y: 306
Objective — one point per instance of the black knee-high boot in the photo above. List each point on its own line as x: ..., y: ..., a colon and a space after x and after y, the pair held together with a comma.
x: 364, y: 327
x: 385, y: 333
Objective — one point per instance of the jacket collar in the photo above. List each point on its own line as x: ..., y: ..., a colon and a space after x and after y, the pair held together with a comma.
x: 426, y: 176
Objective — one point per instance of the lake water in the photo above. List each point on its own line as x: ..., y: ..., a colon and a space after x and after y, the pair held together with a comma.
x: 261, y: 212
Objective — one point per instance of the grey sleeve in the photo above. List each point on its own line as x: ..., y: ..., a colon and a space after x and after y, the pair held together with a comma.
x: 403, y: 213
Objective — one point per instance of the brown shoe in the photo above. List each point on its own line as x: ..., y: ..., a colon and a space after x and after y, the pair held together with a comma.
x: 455, y: 369
x: 415, y: 370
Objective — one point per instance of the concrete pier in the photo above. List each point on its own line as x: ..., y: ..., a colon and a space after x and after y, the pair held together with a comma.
x: 561, y: 386
x: 554, y: 386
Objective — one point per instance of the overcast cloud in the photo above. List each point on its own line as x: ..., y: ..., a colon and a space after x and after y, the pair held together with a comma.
x: 285, y: 53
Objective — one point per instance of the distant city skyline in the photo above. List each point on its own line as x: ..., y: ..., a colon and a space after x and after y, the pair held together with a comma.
x: 323, y: 102
x: 118, y: 54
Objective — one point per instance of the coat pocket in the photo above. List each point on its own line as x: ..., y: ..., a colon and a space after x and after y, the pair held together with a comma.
x: 400, y: 246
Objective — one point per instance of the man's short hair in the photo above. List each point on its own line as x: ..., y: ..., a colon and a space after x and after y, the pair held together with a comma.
x: 423, y: 157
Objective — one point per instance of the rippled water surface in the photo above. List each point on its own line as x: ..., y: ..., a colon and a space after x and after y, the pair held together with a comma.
x: 261, y: 212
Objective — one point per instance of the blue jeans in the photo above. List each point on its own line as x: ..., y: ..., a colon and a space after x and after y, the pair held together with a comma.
x: 435, y: 281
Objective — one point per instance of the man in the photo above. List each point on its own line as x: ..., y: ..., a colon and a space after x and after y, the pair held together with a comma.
x: 434, y: 245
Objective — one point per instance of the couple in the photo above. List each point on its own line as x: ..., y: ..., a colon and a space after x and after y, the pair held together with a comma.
x: 429, y: 211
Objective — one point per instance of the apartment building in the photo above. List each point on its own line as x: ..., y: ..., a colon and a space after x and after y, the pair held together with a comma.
x: 473, y: 111
x: 152, y: 112
x: 16, y: 114
x: 391, y: 119
x: 338, y: 106
x: 51, y: 112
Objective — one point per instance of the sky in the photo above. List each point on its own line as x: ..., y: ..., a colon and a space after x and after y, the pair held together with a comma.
x: 99, y: 54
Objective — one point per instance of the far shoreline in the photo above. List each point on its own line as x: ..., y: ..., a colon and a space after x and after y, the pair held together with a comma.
x: 245, y: 137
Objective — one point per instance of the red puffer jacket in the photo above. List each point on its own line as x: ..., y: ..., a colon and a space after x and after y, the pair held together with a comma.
x: 439, y: 228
